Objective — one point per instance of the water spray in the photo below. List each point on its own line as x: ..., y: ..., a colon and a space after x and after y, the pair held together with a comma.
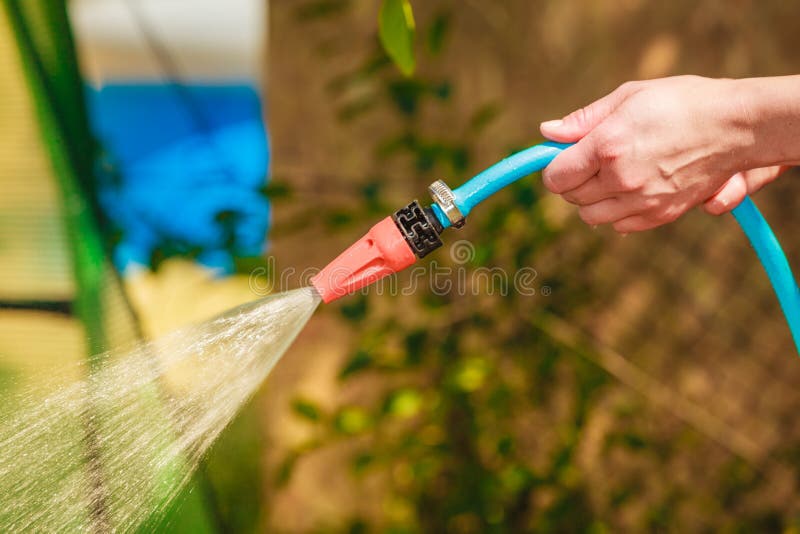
x: 414, y: 231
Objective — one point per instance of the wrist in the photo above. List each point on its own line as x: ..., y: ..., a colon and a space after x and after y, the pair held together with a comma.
x: 768, y: 111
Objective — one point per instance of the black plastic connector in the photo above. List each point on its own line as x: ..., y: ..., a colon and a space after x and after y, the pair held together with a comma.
x: 420, y: 228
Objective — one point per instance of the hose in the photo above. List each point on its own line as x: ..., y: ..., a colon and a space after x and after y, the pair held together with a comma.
x: 533, y: 159
x: 773, y: 259
x: 503, y: 173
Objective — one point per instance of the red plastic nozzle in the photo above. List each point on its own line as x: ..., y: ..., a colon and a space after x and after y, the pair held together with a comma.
x: 381, y: 252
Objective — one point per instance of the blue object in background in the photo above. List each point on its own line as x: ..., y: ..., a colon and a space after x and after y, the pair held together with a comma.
x: 188, y: 166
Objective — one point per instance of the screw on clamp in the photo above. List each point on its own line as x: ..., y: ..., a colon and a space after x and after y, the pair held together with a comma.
x: 443, y: 196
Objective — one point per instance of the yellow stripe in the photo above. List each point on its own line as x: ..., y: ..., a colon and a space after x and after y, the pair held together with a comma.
x: 33, y: 251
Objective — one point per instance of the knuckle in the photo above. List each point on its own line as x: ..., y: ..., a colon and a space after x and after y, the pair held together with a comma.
x: 652, y: 203
x: 665, y: 171
x: 668, y: 214
x: 627, y: 182
x: 582, y: 116
x: 611, y: 142
x: 675, y: 213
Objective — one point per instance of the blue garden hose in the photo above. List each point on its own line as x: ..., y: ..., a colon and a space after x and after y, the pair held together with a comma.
x: 773, y: 259
x: 503, y: 173
x: 483, y: 185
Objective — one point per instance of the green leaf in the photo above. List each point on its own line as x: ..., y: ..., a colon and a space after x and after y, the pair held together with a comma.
x: 472, y: 374
x: 406, y: 95
x: 404, y: 403
x: 338, y: 218
x: 505, y: 445
x: 415, y: 344
x: 361, y: 462
x: 277, y: 189
x: 355, y: 309
x: 437, y: 32
x: 358, y: 526
x: 306, y: 409
x: 483, y: 116
x: 355, y: 108
x: 361, y: 360
x: 351, y: 420
x: 285, y: 469
x: 321, y: 9
x: 396, y: 29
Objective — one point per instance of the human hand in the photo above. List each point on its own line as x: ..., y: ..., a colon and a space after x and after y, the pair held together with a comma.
x: 651, y: 150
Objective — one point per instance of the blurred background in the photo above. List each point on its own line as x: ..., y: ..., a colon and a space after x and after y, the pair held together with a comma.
x: 649, y: 384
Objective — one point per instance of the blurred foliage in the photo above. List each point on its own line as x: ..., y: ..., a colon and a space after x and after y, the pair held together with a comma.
x: 475, y: 416
x: 446, y: 426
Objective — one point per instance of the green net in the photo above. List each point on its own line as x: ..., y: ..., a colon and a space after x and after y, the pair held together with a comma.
x: 60, y: 298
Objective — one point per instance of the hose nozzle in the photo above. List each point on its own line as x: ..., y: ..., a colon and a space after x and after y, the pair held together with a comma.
x: 390, y: 246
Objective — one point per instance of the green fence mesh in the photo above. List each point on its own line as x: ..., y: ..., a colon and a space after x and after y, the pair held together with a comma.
x: 60, y: 297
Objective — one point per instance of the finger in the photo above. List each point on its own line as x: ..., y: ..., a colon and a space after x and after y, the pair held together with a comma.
x: 580, y: 122
x: 572, y: 167
x: 743, y: 183
x: 605, y: 211
x: 634, y: 223
x: 591, y: 191
x: 728, y: 196
x: 758, y: 178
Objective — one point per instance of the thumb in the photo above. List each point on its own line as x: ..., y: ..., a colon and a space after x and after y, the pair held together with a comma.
x: 742, y: 183
x: 728, y: 196
x: 580, y: 122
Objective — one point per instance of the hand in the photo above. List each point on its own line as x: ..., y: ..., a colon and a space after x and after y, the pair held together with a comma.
x: 650, y: 151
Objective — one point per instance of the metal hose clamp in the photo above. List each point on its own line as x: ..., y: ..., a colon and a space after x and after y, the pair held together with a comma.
x: 443, y: 196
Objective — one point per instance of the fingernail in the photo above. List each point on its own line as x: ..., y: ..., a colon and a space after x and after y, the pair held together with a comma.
x: 552, y: 124
x: 594, y: 227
